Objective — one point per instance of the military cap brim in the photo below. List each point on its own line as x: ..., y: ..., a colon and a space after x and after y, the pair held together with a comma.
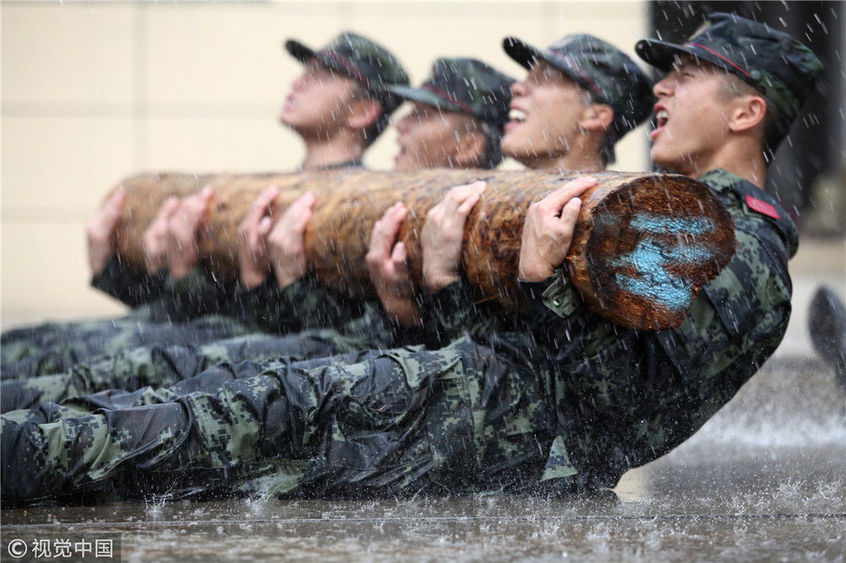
x: 424, y: 96
x: 523, y: 53
x: 526, y: 55
x: 299, y: 51
x: 662, y: 54
x: 304, y: 54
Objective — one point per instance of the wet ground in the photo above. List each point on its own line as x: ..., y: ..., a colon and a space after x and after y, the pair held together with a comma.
x: 764, y: 480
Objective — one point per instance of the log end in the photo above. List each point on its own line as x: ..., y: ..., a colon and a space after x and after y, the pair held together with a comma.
x: 643, y: 252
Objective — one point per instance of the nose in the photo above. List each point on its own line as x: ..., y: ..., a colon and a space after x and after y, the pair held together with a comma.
x: 518, y: 89
x: 299, y: 82
x: 403, y: 124
x: 664, y: 87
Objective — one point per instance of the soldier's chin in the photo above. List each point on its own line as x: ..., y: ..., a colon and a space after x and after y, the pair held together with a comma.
x: 665, y: 160
x: 516, y: 149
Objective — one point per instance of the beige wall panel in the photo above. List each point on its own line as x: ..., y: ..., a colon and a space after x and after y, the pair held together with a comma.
x: 67, y: 54
x: 222, y: 144
x: 229, y: 54
x: 45, y: 275
x: 62, y: 163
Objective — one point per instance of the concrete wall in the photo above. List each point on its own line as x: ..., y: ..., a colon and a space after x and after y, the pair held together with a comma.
x: 92, y: 92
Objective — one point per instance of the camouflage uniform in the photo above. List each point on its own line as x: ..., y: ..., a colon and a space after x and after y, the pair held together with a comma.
x: 570, y: 400
x: 559, y: 400
x: 223, y: 310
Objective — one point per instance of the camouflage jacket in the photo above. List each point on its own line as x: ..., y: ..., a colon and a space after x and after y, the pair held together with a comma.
x: 159, y: 298
x: 622, y: 397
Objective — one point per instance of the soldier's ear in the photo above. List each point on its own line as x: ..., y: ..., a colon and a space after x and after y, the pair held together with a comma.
x: 746, y: 112
x: 596, y: 118
x: 363, y: 113
x: 469, y: 149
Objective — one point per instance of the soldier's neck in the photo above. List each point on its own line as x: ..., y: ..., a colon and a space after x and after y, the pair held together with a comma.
x: 747, y: 163
x: 582, y: 161
x: 324, y: 153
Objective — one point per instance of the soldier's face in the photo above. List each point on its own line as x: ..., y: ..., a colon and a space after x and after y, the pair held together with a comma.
x: 319, y: 101
x: 545, y: 111
x: 429, y: 137
x: 690, y: 116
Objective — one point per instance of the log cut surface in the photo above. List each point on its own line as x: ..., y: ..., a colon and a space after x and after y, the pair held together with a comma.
x: 644, y: 244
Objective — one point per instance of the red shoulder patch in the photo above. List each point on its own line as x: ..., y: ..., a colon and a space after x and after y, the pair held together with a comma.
x: 763, y: 207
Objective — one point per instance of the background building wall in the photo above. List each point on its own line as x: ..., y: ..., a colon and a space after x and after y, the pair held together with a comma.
x: 93, y: 92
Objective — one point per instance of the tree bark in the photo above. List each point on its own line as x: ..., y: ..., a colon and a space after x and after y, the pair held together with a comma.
x: 644, y: 243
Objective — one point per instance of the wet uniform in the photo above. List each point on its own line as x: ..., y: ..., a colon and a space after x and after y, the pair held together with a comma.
x: 566, y: 400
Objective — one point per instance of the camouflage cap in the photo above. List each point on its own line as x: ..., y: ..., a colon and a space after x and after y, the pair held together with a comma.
x: 609, y: 75
x: 363, y: 60
x: 772, y: 62
x: 465, y: 85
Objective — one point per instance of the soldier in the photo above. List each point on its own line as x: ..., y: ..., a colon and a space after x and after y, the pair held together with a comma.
x: 319, y: 323
x: 457, y: 118
x: 457, y: 122
x: 581, y: 96
x: 338, y: 106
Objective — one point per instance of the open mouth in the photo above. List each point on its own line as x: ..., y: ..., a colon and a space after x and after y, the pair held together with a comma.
x: 661, y: 119
x: 517, y: 115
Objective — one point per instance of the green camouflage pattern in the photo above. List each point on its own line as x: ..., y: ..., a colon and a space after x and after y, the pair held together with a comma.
x: 464, y: 85
x: 609, y: 75
x: 561, y: 401
x: 777, y: 65
x: 165, y: 364
x: 363, y: 60
x: 57, y: 347
x: 197, y: 311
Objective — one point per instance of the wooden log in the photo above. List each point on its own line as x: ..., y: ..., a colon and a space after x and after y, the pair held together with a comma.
x: 644, y: 244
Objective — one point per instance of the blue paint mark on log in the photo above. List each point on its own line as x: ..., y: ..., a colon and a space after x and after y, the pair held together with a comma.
x: 669, y: 225
x: 648, y: 276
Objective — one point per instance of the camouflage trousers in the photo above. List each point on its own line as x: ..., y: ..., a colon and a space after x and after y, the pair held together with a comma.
x: 57, y: 347
x: 163, y: 365
x: 462, y: 418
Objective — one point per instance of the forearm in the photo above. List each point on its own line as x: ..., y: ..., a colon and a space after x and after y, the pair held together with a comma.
x: 128, y: 285
x: 300, y: 305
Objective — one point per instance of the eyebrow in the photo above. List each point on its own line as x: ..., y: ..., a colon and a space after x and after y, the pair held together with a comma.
x: 688, y: 61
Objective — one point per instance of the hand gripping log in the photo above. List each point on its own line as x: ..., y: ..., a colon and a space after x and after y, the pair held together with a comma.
x: 644, y: 243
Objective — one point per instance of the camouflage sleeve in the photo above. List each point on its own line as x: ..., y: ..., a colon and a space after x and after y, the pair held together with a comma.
x: 303, y: 304
x: 455, y: 311
x: 128, y: 285
x: 373, y: 329
x: 196, y: 295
